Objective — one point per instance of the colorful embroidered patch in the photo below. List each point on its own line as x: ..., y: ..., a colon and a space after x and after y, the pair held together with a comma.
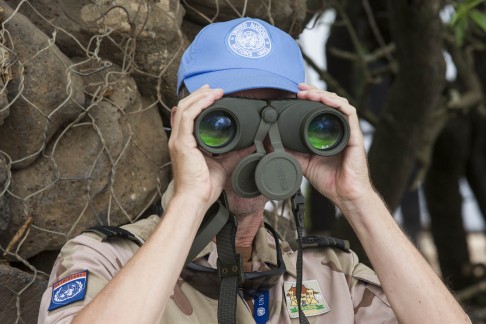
x: 312, y: 301
x: 69, y: 290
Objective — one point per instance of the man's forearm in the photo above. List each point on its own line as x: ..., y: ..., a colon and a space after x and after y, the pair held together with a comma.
x: 153, y: 271
x: 416, y: 293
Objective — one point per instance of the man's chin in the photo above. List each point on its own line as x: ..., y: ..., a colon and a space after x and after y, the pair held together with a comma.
x: 245, y: 206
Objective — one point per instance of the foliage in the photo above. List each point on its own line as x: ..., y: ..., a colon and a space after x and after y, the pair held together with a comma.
x: 468, y: 18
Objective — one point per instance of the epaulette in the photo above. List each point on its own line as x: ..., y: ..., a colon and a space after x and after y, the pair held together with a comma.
x: 325, y: 241
x: 111, y: 232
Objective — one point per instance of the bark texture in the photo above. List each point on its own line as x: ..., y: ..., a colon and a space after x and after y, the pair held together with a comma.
x: 409, y: 122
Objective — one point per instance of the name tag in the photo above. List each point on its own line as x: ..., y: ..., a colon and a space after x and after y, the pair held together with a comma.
x: 261, y: 303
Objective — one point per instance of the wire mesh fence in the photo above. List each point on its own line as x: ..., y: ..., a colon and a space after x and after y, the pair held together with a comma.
x: 86, y: 89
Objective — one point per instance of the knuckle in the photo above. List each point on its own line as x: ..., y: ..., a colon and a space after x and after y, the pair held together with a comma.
x: 171, y: 144
x: 182, y: 102
x: 185, y: 115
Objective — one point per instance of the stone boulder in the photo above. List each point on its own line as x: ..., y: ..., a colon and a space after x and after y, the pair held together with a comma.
x: 142, y: 36
x: 288, y: 15
x: 106, y: 168
x: 43, y: 93
x: 27, y: 287
x: 146, y: 36
x: 4, y: 183
x: 60, y: 18
x: 4, y: 106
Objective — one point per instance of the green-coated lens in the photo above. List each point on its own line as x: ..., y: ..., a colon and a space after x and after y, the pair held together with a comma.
x: 325, y: 131
x: 217, y: 129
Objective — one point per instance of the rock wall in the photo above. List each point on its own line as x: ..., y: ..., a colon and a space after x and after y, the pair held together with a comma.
x: 86, y: 87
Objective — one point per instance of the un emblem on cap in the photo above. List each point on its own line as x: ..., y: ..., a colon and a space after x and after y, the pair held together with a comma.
x: 250, y: 39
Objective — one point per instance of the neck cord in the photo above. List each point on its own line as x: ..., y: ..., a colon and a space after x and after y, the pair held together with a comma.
x: 298, y: 209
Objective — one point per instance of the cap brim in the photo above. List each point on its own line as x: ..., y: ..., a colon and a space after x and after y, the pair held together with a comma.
x: 234, y: 80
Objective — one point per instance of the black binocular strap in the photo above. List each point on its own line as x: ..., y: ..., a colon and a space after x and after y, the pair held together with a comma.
x: 325, y: 241
x: 108, y: 233
x: 230, y: 272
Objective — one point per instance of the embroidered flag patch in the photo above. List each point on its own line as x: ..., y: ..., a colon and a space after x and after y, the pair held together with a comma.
x: 69, y: 290
x: 312, y: 302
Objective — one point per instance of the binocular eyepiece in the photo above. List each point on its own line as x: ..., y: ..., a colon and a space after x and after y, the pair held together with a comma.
x: 301, y: 125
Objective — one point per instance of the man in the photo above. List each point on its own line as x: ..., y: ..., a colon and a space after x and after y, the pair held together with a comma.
x: 95, y: 281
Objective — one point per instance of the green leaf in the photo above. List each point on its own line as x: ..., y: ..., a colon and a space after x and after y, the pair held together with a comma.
x: 479, y: 18
x: 463, y: 9
x: 472, y: 3
x: 460, y: 14
x: 454, y: 19
x: 460, y: 30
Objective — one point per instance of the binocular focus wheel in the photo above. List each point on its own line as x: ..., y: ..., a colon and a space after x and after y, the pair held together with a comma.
x: 243, y: 178
x: 278, y: 175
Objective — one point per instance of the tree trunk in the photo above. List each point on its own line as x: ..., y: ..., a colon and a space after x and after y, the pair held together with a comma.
x: 408, y: 124
x: 444, y: 200
x: 476, y: 171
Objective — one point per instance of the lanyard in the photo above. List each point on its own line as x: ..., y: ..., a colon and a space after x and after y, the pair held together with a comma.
x: 261, y: 306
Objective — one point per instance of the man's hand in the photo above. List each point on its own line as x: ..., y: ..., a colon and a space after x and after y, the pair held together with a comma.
x: 343, y: 177
x: 197, y: 174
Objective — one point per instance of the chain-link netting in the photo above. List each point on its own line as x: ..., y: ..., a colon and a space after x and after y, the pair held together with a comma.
x: 86, y: 91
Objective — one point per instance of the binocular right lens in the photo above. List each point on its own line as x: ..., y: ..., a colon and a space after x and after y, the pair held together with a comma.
x: 312, y: 127
x: 325, y: 131
x: 217, y: 129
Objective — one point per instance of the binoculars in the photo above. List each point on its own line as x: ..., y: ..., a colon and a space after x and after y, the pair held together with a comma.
x: 306, y: 126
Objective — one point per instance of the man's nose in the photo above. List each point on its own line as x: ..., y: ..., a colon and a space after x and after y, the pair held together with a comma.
x: 267, y: 145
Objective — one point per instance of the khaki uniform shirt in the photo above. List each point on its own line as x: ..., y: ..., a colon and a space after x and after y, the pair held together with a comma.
x: 336, y: 287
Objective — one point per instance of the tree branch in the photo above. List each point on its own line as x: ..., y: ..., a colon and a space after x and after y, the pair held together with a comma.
x: 334, y: 84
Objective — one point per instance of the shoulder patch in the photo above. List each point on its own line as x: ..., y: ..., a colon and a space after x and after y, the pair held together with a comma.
x: 69, y: 290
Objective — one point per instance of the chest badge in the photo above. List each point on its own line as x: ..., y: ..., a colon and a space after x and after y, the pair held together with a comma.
x: 312, y: 301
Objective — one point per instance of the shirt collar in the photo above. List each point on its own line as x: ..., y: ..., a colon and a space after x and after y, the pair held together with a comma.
x: 263, y: 253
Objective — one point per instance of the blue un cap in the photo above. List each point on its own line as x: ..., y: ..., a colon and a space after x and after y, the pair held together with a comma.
x: 242, y: 54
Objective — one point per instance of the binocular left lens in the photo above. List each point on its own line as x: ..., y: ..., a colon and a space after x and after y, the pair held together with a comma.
x: 217, y: 129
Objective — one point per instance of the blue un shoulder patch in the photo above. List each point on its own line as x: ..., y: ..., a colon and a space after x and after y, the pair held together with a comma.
x: 69, y: 290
